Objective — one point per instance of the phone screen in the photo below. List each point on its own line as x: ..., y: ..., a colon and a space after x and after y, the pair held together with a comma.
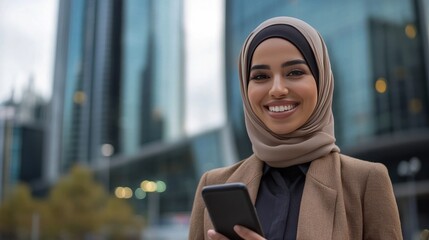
x: 228, y: 205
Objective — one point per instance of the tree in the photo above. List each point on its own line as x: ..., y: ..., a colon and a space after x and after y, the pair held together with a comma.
x: 119, y: 219
x: 77, y: 203
x: 77, y: 207
x: 16, y: 213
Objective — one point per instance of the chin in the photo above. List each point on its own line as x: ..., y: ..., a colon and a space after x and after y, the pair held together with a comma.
x: 283, y: 128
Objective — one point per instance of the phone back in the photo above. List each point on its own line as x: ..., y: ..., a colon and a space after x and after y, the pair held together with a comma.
x: 229, y: 205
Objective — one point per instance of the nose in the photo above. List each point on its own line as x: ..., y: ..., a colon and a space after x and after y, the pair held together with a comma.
x: 278, y: 88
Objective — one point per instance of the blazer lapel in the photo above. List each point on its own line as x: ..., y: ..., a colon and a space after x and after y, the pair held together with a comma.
x: 317, y: 211
x: 249, y: 173
x: 320, y: 196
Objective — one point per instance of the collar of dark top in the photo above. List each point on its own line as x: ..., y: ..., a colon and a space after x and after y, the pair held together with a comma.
x: 303, y: 167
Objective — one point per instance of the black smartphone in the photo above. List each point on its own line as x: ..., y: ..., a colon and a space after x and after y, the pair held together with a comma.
x: 228, y: 205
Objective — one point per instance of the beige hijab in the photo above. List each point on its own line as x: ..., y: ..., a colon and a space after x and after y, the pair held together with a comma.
x: 315, y: 138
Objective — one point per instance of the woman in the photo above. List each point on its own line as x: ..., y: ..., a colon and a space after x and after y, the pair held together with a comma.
x: 301, y: 185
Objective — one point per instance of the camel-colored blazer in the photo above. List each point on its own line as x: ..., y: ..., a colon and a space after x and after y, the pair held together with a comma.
x: 343, y: 198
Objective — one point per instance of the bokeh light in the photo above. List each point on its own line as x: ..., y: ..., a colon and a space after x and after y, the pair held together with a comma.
x: 410, y: 31
x: 139, y: 193
x: 148, y: 186
x: 161, y: 186
x: 123, y: 192
x: 152, y: 186
x: 381, y: 85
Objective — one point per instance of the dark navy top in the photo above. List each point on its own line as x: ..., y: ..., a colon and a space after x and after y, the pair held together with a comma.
x: 279, y: 200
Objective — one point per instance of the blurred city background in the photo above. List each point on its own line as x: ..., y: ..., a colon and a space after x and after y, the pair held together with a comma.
x: 111, y: 110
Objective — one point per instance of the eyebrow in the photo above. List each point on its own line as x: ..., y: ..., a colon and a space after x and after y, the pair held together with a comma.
x: 294, y: 62
x: 285, y: 64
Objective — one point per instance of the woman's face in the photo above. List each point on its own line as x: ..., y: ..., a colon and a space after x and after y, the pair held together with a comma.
x: 282, y: 91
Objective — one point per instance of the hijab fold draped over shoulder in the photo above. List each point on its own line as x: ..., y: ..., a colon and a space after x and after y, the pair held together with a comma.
x: 315, y: 138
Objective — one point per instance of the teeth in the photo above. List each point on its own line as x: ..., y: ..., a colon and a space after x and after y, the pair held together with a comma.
x: 281, y: 108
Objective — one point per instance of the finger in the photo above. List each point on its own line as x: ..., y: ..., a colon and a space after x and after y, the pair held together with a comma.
x: 246, y: 233
x: 213, y: 235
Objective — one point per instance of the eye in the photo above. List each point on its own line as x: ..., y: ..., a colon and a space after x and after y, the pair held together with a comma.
x: 259, y: 76
x: 295, y: 73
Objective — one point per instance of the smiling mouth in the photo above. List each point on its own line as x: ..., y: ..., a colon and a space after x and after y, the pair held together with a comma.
x: 284, y: 108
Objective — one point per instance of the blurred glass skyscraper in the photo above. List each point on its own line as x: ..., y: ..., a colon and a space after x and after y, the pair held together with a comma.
x: 118, y: 78
x: 118, y: 103
x: 379, y: 55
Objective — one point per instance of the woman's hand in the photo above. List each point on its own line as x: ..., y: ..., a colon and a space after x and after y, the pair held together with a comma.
x: 243, y: 232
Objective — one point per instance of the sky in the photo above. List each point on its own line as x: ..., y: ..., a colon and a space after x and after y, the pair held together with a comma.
x: 27, y: 43
x: 27, y: 47
x: 204, y: 71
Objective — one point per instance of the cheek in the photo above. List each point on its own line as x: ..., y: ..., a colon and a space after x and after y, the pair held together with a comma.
x: 312, y: 97
x: 254, y: 96
x: 250, y: 95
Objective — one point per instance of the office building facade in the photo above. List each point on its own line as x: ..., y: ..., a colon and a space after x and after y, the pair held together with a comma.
x: 115, y: 77
x: 21, y: 139
x: 118, y: 104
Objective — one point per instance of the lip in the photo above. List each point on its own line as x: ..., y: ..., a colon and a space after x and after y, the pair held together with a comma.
x: 282, y: 114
